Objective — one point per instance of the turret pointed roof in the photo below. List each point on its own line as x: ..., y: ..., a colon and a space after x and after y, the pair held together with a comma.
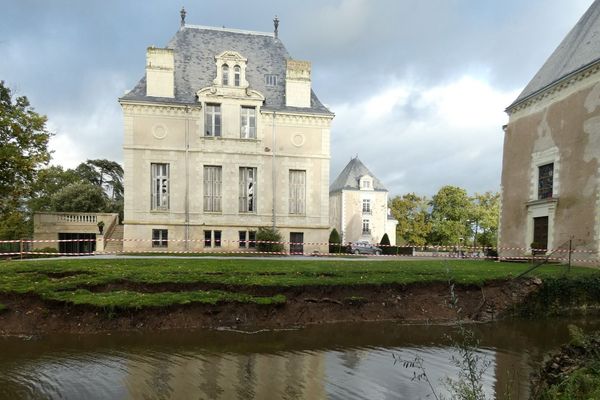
x: 349, y: 178
x: 579, y: 50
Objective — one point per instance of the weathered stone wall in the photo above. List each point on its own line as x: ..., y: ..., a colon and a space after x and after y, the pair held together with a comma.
x: 562, y: 127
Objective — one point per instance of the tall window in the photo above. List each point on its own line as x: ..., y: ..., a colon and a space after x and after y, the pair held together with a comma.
x: 365, y: 226
x: 160, y: 237
x: 366, y: 206
x: 545, y: 181
x: 217, y: 238
x: 160, y: 186
x: 212, y: 188
x: 212, y: 120
x: 297, y: 192
x: 248, y: 123
x: 247, y: 189
x: 236, y: 75
x: 207, y: 238
x: 225, y: 74
x: 243, y: 241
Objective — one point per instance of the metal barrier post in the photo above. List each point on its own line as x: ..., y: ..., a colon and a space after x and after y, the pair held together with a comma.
x: 570, y: 252
x: 21, y: 249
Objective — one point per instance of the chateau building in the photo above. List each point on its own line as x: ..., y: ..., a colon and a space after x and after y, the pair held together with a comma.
x: 551, y: 163
x: 224, y: 135
x: 358, y: 205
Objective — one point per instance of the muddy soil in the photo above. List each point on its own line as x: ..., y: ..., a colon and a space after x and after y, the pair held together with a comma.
x: 420, y: 303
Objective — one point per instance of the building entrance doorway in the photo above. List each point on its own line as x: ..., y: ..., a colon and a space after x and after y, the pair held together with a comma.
x: 297, y: 242
x: 540, y: 232
x: 78, y: 242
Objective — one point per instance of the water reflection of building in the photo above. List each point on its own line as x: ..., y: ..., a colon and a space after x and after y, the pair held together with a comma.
x: 229, y: 376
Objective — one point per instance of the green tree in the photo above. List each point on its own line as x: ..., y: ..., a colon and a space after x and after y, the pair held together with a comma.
x: 385, y: 245
x: 411, y: 212
x: 15, y: 225
x: 334, y: 241
x: 49, y: 181
x: 23, y: 149
x: 450, y: 212
x: 485, y: 213
x: 79, y: 197
x: 103, y: 173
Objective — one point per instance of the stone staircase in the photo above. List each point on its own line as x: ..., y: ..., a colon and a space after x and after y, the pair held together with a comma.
x: 116, y: 242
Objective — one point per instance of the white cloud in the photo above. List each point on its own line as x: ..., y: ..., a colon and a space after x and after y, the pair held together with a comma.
x: 421, y: 138
x: 91, y: 130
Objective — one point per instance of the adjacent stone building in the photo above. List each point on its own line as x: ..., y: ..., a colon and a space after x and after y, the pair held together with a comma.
x: 224, y: 135
x: 358, y: 206
x: 551, y: 164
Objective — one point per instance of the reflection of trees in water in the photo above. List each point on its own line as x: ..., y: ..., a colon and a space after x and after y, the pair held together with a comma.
x: 247, y: 377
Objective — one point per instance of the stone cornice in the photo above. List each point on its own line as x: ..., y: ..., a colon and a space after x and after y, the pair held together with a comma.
x: 558, y: 86
x: 284, y: 118
x: 205, y: 150
x: 138, y: 108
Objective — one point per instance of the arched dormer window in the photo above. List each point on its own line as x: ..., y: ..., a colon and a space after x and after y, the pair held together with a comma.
x: 231, y: 70
x: 225, y: 74
x: 236, y: 75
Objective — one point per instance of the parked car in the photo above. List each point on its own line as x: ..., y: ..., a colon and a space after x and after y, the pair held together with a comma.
x: 364, y: 247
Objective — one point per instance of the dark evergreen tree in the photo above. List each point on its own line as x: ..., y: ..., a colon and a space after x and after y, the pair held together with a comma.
x: 334, y: 242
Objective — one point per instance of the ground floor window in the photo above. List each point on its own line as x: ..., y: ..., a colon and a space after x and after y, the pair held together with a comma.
x: 207, y: 238
x: 160, y: 237
x: 247, y: 239
x: 366, y: 227
x: 77, y: 242
x: 217, y: 235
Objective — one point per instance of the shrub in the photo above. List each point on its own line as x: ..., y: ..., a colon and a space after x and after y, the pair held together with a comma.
x: 335, y: 242
x: 385, y: 245
x: 266, y: 234
x: 48, y: 250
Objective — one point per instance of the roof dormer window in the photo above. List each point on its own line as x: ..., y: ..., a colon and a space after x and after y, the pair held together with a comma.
x: 231, y: 70
x: 366, y: 183
x: 225, y: 74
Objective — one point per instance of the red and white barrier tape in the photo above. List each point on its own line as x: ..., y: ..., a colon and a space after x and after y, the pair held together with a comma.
x: 341, y: 245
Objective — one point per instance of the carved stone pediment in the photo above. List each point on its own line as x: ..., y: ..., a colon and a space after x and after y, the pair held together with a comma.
x: 216, y: 92
x: 230, y: 55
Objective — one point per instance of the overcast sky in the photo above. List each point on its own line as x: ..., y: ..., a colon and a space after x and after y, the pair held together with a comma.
x: 419, y: 87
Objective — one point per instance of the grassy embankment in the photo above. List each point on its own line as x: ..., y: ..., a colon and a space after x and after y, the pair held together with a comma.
x: 574, y: 372
x: 78, y: 281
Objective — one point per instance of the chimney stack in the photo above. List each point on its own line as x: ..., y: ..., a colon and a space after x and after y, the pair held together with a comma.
x: 297, y: 84
x: 160, y: 72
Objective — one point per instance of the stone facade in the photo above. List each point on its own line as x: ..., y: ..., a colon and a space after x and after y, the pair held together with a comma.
x: 216, y: 151
x: 358, y: 206
x: 550, y: 172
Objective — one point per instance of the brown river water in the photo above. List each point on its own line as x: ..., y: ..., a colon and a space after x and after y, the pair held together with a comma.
x: 339, y: 361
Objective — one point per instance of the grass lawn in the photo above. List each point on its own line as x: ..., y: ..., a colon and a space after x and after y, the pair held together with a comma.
x: 69, y: 280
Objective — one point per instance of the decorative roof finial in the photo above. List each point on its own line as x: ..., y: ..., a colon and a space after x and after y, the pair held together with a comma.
x: 276, y: 24
x: 182, y: 13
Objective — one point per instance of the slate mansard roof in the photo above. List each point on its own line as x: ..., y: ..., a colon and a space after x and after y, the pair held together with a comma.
x: 579, y: 50
x: 348, y: 179
x: 195, y: 48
